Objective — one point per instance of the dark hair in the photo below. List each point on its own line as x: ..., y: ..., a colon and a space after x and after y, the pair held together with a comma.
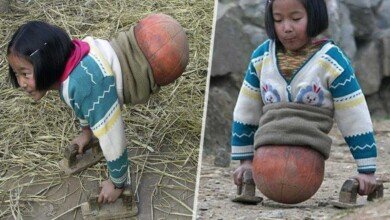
x: 317, y: 18
x: 46, y: 47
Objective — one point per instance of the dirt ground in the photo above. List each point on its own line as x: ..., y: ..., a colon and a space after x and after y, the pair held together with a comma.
x: 216, y: 188
x: 156, y: 195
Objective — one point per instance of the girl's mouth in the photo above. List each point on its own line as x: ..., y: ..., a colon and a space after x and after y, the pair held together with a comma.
x: 289, y: 39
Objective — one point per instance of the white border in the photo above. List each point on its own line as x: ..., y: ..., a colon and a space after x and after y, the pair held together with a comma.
x: 195, y: 206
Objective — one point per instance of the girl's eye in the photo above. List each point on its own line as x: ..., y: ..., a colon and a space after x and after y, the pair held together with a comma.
x: 26, y: 75
x: 277, y: 21
x: 296, y: 19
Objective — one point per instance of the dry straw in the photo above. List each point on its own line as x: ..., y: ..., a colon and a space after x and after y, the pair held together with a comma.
x: 163, y: 135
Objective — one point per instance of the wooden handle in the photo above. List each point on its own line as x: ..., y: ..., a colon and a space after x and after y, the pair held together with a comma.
x: 72, y: 151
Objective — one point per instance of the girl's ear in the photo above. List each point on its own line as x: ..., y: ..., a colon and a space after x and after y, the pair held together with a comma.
x: 316, y: 88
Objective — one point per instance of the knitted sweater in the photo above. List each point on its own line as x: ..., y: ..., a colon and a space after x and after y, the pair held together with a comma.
x: 90, y: 90
x: 325, y: 80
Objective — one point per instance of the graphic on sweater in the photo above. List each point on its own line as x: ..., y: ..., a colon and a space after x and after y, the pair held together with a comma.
x: 269, y: 94
x: 311, y: 95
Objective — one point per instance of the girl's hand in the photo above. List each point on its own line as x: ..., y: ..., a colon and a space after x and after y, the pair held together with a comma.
x: 367, y: 183
x: 83, y: 139
x: 108, y: 192
x: 239, y: 172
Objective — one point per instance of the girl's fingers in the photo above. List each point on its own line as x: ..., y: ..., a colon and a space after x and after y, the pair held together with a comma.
x: 81, y: 149
x: 101, y: 197
x: 237, y: 175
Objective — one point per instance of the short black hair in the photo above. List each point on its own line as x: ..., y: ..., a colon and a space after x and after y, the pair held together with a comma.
x: 317, y: 18
x: 47, y: 47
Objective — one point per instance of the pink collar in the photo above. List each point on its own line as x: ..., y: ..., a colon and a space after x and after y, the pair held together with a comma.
x: 81, y: 48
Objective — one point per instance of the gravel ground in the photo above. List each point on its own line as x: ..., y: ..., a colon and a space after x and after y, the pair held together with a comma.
x: 217, y: 189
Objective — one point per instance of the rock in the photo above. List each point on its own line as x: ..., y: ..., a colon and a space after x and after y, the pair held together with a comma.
x: 222, y: 158
x: 334, y: 29
x: 340, y: 27
x: 347, y: 40
x: 384, y: 95
x: 383, y: 15
x: 256, y: 35
x: 367, y: 66
x: 385, y: 46
x: 203, y: 208
x: 363, y: 18
x: 376, y: 105
x: 254, y: 11
x: 219, y: 117
x: 232, y: 47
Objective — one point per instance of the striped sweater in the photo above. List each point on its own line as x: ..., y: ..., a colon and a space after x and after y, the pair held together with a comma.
x: 90, y: 90
x: 325, y: 80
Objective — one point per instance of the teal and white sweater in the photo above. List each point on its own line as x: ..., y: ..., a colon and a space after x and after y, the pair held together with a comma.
x: 326, y: 80
x: 91, y: 91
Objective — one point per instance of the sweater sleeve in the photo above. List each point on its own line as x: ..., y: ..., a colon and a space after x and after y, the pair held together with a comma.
x: 108, y: 127
x: 246, y: 114
x: 94, y: 98
x: 352, y: 115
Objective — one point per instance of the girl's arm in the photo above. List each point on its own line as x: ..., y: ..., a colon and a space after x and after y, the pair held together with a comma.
x: 353, y: 118
x: 246, y: 116
x: 97, y: 102
x: 109, y: 129
x: 83, y: 139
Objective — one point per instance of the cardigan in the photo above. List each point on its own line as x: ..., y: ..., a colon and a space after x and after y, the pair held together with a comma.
x: 324, y: 80
x: 91, y: 91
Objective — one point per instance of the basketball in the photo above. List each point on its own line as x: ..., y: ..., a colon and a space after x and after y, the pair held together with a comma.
x: 164, y: 43
x: 288, y: 174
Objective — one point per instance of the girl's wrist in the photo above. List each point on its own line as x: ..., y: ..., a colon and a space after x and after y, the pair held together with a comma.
x: 85, y: 128
x: 248, y: 161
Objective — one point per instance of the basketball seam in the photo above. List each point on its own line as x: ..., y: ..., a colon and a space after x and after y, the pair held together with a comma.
x: 152, y: 55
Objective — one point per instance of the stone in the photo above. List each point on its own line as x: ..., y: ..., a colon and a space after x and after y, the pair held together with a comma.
x: 256, y: 35
x: 383, y: 15
x: 376, y: 106
x: 347, y: 40
x: 362, y: 17
x: 384, y: 95
x: 368, y: 68
x: 254, y: 11
x: 334, y: 29
x: 232, y: 47
x: 218, y: 120
x: 222, y: 158
x: 385, y: 45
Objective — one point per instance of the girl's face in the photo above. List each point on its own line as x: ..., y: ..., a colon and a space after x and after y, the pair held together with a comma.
x: 290, y: 20
x: 24, y: 72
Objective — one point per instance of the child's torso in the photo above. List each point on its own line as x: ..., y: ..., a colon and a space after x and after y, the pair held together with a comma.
x: 305, y: 80
x: 90, y: 82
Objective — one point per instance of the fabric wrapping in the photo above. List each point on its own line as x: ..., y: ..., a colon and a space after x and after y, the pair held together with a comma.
x: 138, y: 80
x: 295, y: 124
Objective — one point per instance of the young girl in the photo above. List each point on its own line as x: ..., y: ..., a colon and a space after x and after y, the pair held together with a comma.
x: 89, y: 76
x: 292, y: 77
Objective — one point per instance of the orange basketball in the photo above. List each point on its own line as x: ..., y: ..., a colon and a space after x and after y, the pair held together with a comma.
x: 288, y: 174
x: 164, y: 43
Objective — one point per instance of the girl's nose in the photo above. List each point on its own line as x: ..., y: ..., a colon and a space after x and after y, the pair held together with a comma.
x: 22, y: 83
x: 287, y: 27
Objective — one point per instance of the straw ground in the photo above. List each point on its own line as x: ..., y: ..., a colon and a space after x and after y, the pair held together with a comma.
x: 163, y: 135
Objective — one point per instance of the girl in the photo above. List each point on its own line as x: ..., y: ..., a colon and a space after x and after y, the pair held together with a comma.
x: 292, y: 74
x: 88, y: 75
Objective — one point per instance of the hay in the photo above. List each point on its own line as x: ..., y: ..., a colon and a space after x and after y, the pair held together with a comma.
x: 163, y: 135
